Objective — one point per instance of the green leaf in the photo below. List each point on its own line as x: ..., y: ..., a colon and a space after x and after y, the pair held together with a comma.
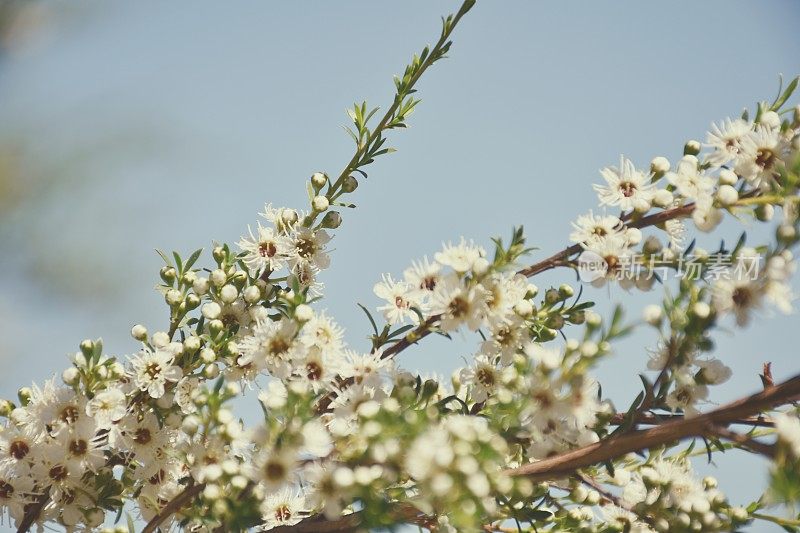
x: 192, y: 259
x: 778, y: 103
x: 371, y: 320
x: 164, y: 257
x: 178, y: 262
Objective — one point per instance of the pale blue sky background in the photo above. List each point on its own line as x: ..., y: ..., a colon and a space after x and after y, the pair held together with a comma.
x: 143, y: 125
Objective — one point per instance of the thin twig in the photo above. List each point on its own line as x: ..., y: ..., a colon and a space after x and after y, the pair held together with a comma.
x: 174, y: 506
x: 566, y: 463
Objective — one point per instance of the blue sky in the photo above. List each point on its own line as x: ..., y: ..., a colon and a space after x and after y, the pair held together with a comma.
x: 170, y: 125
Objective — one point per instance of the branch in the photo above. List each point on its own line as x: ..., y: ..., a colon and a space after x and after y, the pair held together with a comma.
x: 32, y: 512
x: 402, y: 512
x: 767, y: 450
x: 651, y: 419
x: 566, y: 463
x: 175, y: 505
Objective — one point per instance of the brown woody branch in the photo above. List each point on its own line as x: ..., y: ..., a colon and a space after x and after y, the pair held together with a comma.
x: 705, y: 424
x: 175, y: 505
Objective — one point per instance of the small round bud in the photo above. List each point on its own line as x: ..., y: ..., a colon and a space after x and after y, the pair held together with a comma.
x: 95, y: 517
x: 691, y: 148
x: 320, y: 204
x: 192, y: 344
x: 350, y: 184
x: 318, y: 180
x: 231, y: 348
x: 652, y: 315
x: 593, y: 319
x: 765, y: 212
x: 576, y: 317
x: 728, y: 177
x: 102, y: 372
x: 167, y: 274
x: 727, y: 195
x: 200, y: 286
x: 219, y: 254
x: 289, y: 216
x: 579, y: 494
x: 547, y: 334
x: 659, y: 166
x: 332, y: 220
x: 6, y: 407
x: 207, y: 355
x: 24, y: 395
x: 786, y: 233
x: 641, y: 205
x: 211, y: 371
x: 215, y: 326
x: 173, y: 297
x: 551, y: 296
x: 739, y: 513
x: 218, y: 277
x: 211, y: 310
x: 70, y: 376
x: 531, y: 291
x: 589, y: 349
x: 303, y: 313
x: 662, y: 198
x: 192, y: 301
x: 565, y: 291
x: 228, y: 294
x: 252, y: 294
x: 87, y: 347
x: 160, y: 339
x: 556, y: 322
x: 701, y: 310
x: 480, y: 266
x: 139, y: 332
x: 116, y: 369
x: 524, y: 308
x: 189, y: 278
x: 239, y: 279
x: 770, y: 119
x: 190, y: 425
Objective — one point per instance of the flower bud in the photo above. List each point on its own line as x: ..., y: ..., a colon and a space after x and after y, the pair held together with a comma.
x: 551, y: 296
x: 211, y: 310
x: 231, y: 348
x: 332, y: 220
x: 659, y: 166
x: 6, y: 407
x: 701, y: 310
x: 173, y: 297
x: 80, y: 360
x: 139, y: 332
x: 727, y: 195
x: 87, y: 347
x: 70, y: 376
x: 786, y: 233
x: 318, y: 180
x: 691, y: 147
x: 168, y: 274
x: 207, y: 355
x: 228, y: 294
x: 252, y: 294
x: 303, y: 313
x: 770, y: 119
x: 215, y: 326
x: 219, y: 254
x: 24, y: 395
x: 652, y: 315
x: 200, y: 286
x: 480, y: 266
x: 211, y: 371
x: 765, y: 212
x: 531, y: 291
x: 320, y: 203
x: 524, y: 308
x: 218, y: 277
x: 662, y: 198
x: 160, y: 339
x: 728, y: 177
x: 192, y: 344
x: 350, y: 184
x: 565, y: 291
x: 189, y: 278
x: 192, y: 301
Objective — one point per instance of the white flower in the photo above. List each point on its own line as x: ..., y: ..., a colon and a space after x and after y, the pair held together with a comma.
x: 265, y: 249
x: 737, y: 296
x: 625, y: 187
x: 788, y: 429
x: 152, y: 370
x: 689, y: 181
x: 309, y: 248
x: 714, y: 371
x: 726, y: 139
x: 183, y: 394
x: 685, y: 396
x: 401, y: 297
x: 423, y: 275
x: 283, y: 508
x: 107, y: 406
x: 760, y: 156
x: 323, y: 333
x: 458, y: 304
x: 483, y: 377
x: 591, y: 227
x: 272, y: 345
x: 460, y: 257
